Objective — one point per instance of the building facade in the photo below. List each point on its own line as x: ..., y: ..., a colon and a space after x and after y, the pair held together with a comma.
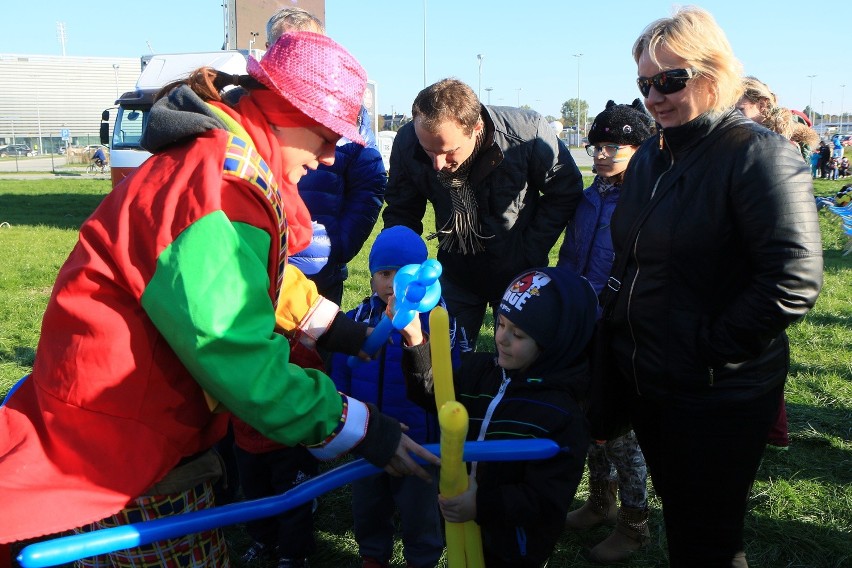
x: 44, y: 95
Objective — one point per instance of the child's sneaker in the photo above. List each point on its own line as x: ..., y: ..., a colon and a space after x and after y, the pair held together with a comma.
x: 256, y: 552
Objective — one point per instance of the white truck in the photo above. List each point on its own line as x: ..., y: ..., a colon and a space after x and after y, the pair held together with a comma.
x: 133, y: 107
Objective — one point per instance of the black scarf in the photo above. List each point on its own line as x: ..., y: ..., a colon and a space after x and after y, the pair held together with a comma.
x: 461, y: 232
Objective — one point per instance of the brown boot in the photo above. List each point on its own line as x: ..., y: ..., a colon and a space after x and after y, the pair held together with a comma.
x: 630, y: 534
x: 598, y: 509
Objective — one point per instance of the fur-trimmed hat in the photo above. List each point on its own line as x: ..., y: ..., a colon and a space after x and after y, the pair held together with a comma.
x: 622, y: 124
x: 396, y: 247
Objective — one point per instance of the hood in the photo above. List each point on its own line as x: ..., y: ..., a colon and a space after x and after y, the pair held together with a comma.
x: 178, y: 116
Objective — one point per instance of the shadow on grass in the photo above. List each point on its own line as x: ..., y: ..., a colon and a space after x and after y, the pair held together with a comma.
x: 59, y: 210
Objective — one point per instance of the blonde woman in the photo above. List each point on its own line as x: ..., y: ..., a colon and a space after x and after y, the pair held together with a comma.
x: 717, y: 251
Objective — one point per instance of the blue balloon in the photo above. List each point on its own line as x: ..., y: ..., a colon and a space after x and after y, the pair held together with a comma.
x: 417, y: 290
x: 70, y: 548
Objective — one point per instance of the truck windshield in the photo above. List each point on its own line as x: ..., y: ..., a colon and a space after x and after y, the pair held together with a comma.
x: 129, y: 126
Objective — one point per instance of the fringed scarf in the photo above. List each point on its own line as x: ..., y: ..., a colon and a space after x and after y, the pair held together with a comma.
x: 461, y: 232
x: 251, y: 116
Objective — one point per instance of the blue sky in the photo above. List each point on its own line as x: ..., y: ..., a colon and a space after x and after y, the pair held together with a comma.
x: 528, y: 46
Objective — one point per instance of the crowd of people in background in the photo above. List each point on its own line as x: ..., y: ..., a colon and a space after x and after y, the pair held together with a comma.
x: 224, y: 321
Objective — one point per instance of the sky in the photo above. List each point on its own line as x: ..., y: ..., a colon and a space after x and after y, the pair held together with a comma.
x: 530, y: 49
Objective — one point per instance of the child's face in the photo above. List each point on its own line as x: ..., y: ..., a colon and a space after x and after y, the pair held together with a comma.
x: 515, y: 349
x: 382, y: 283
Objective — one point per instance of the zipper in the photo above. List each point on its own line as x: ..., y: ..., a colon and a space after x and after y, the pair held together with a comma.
x: 490, y: 412
x: 638, y: 270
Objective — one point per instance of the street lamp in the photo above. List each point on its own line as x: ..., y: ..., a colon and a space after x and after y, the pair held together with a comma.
x: 519, y: 97
x: 578, y: 56
x: 811, y: 100
x: 840, y: 128
x: 252, y: 40
x: 115, y: 67
x: 488, y: 90
x: 479, y: 91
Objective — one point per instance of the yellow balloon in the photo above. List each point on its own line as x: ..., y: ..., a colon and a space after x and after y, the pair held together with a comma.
x: 439, y: 347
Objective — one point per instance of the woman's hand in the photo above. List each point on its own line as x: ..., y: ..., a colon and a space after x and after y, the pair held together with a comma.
x: 403, y: 464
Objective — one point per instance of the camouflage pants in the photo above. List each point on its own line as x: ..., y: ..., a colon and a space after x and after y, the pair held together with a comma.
x: 621, y: 459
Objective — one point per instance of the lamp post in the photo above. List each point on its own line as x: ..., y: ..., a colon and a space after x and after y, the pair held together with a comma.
x: 578, y: 56
x: 424, y: 44
x: 519, y: 97
x: 115, y: 67
x: 811, y: 100
x: 252, y: 40
x: 479, y: 91
x: 488, y: 90
x: 840, y: 128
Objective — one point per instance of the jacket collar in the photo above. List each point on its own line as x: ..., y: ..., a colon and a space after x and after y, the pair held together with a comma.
x: 682, y: 138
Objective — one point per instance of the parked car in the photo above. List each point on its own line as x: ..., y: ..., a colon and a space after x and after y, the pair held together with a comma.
x: 16, y: 150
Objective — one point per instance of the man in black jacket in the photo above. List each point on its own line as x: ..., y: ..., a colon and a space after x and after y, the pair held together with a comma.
x: 502, y: 185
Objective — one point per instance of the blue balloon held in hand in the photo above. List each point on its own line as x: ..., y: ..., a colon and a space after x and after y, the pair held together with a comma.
x: 417, y: 290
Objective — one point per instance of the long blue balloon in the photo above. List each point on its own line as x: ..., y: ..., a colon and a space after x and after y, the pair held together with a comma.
x: 70, y: 548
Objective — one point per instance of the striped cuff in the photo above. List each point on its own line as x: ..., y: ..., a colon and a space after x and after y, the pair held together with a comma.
x: 348, y: 434
x: 317, y: 321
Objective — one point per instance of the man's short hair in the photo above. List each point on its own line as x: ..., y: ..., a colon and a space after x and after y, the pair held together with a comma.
x: 291, y: 20
x: 448, y: 99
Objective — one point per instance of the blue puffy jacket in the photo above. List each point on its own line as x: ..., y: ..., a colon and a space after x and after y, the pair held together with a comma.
x: 381, y: 382
x: 587, y: 247
x: 344, y: 201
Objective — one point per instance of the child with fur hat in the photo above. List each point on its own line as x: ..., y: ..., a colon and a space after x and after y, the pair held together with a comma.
x: 587, y: 249
x: 530, y: 388
x: 380, y: 381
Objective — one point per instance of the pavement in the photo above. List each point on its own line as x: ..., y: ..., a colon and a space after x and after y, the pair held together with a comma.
x: 45, y: 167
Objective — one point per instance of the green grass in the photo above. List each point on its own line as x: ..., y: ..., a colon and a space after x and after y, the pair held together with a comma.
x: 801, y: 507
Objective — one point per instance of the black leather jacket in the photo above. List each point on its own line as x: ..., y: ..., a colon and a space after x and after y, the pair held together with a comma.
x: 730, y: 256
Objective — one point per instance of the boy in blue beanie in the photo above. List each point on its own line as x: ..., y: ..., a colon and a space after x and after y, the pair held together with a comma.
x: 529, y: 388
x: 380, y: 381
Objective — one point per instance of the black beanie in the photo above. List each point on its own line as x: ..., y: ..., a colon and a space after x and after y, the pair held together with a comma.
x: 622, y: 124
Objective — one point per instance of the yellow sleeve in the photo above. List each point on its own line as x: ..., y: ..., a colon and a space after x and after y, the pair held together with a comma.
x: 301, y: 311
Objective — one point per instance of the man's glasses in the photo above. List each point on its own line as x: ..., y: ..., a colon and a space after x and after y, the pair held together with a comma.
x: 608, y: 150
x: 666, y: 82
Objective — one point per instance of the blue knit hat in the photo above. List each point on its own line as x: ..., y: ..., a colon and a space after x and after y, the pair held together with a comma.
x: 396, y: 247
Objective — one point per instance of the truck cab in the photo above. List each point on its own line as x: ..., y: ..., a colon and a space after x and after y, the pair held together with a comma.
x: 133, y: 107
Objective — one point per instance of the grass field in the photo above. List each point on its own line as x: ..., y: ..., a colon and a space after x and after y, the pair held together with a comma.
x: 801, y: 509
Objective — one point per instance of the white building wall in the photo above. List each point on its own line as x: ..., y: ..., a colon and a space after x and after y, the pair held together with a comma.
x: 41, y: 94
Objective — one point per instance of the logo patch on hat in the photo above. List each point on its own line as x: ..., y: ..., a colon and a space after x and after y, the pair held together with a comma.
x: 522, y: 289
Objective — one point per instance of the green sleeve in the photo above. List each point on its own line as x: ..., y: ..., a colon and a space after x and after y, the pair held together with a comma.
x: 209, y: 298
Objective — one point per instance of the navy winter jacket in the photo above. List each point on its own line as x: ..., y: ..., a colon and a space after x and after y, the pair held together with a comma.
x: 587, y: 247
x: 381, y: 381
x: 344, y: 201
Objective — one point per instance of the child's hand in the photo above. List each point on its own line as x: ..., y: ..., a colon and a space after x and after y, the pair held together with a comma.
x: 461, y: 508
x: 413, y: 332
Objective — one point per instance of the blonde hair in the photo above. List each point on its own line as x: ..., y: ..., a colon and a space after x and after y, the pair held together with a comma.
x: 692, y: 34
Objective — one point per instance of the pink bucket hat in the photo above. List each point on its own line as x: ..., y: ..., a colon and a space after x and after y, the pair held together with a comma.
x: 318, y: 76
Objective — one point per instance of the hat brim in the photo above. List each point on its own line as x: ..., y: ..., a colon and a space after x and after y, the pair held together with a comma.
x: 336, y: 124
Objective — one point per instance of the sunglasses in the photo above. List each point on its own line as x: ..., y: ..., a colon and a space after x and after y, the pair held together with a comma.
x: 666, y: 82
